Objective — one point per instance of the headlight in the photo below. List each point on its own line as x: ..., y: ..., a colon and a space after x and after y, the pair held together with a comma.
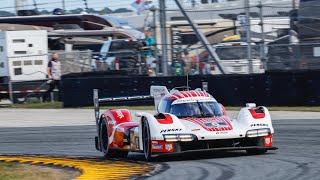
x: 263, y: 132
x: 177, y: 137
x: 252, y: 133
x: 258, y: 132
x: 185, y: 137
x: 170, y: 138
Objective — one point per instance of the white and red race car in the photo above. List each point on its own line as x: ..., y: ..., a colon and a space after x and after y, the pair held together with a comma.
x: 185, y: 121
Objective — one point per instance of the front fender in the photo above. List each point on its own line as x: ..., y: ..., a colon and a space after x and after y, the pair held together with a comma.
x: 157, y: 128
x: 251, y: 121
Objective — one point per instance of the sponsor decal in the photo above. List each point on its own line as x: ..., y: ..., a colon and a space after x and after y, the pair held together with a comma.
x: 161, y: 90
x: 267, y: 140
x: 216, y: 124
x: 170, y: 130
x: 111, y: 122
x: 168, y: 147
x: 222, y: 132
x: 158, y: 93
x: 192, y: 99
x: 157, y: 146
x: 119, y: 114
x: 261, y: 124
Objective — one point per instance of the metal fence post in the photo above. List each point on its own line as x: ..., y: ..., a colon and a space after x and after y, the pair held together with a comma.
x: 163, y: 24
x: 248, y: 36
x: 140, y: 66
x: 262, y: 42
x: 52, y: 97
x: 10, y: 90
x: 154, y: 27
x: 294, y: 4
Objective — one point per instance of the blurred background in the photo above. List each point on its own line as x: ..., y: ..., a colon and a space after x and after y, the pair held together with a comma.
x: 153, y: 38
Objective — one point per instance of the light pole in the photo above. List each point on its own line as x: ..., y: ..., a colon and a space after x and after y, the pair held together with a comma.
x: 294, y: 4
x: 63, y: 6
x: 248, y: 36
x: 163, y: 23
x: 19, y: 4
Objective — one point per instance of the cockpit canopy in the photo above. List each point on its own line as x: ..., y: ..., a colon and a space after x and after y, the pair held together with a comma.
x: 190, y: 107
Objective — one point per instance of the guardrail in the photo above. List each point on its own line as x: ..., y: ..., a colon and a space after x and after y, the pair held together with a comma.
x: 27, y: 92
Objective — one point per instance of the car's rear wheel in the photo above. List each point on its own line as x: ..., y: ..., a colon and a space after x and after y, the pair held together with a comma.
x: 256, y: 151
x: 104, y: 139
x: 104, y: 144
x: 146, y: 138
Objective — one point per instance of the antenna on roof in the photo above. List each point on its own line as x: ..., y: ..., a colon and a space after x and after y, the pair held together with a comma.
x: 188, y: 81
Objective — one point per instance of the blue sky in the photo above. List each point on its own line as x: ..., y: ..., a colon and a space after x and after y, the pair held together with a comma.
x: 70, y: 4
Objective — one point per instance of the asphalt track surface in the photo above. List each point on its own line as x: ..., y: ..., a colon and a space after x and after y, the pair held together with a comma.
x: 297, y: 157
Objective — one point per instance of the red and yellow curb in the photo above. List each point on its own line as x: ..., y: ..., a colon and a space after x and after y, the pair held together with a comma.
x: 91, y: 169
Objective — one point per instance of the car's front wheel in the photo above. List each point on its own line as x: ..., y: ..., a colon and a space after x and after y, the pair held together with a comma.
x: 146, y: 137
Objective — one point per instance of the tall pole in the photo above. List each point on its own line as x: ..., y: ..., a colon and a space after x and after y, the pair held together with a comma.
x: 86, y: 5
x: 35, y: 5
x: 19, y: 4
x: 294, y: 4
x: 64, y: 6
x: 248, y: 36
x: 154, y: 28
x: 262, y: 49
x: 163, y: 20
x: 10, y: 91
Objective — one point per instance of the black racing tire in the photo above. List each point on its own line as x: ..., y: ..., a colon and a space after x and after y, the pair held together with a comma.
x: 104, y: 139
x: 256, y: 151
x: 146, y: 138
x: 104, y: 144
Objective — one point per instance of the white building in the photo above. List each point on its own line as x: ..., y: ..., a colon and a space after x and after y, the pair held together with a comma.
x: 23, y: 55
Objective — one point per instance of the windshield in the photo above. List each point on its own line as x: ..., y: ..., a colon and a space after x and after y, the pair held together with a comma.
x: 236, y: 52
x: 196, y: 109
x: 92, y: 47
x: 124, y: 45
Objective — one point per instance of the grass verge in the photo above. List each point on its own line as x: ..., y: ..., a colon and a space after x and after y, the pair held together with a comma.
x: 59, y: 105
x: 15, y: 171
x: 284, y: 108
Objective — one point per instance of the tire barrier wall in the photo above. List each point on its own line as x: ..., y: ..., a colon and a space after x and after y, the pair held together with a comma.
x: 272, y: 89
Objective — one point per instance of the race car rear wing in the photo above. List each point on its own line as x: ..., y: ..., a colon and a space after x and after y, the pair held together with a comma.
x: 156, y: 93
x: 99, y: 101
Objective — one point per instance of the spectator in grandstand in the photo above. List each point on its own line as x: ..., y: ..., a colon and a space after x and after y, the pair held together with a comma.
x: 179, y: 65
x: 147, y: 50
x: 54, y: 76
x: 188, y: 61
x: 193, y: 66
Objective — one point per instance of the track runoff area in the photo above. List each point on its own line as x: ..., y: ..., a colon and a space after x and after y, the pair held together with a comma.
x: 64, y: 138
x: 89, y: 168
